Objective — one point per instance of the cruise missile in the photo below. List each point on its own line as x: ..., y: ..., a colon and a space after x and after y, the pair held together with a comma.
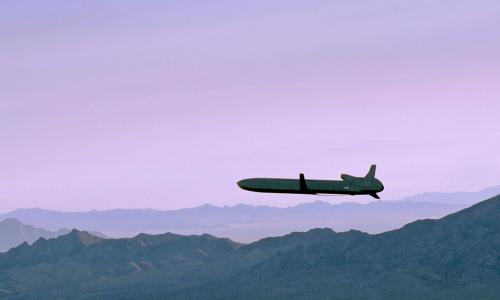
x: 349, y: 185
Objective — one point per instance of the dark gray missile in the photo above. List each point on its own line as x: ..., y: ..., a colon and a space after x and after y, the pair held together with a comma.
x: 349, y: 185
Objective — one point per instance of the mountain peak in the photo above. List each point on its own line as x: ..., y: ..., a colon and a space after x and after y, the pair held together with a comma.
x: 208, y: 206
x: 82, y: 237
x: 13, y: 232
x: 11, y: 222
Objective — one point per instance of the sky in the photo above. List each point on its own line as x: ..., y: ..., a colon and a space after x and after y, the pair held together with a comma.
x: 167, y: 104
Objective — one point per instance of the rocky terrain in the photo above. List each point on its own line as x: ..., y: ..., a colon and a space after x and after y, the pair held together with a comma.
x: 456, y: 256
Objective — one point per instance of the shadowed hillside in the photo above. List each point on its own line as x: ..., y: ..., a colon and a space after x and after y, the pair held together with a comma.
x: 456, y: 256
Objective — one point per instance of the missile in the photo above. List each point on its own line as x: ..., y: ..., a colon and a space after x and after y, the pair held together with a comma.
x: 349, y: 185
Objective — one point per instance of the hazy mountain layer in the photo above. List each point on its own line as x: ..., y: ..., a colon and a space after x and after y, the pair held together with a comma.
x: 457, y: 256
x: 463, y: 198
x: 246, y: 223
x: 13, y: 233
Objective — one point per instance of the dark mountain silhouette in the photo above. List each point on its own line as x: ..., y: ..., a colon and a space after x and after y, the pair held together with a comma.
x: 246, y: 223
x: 455, y: 256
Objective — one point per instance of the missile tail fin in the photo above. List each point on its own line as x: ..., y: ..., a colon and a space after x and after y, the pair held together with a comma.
x: 371, y: 172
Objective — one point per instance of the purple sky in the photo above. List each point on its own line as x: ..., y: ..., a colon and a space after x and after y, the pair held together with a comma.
x: 166, y: 104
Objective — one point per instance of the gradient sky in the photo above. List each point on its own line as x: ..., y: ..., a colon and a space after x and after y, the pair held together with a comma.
x: 166, y: 104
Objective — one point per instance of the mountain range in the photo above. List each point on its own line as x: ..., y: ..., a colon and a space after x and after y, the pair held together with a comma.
x: 14, y: 233
x: 456, y: 256
x: 247, y: 223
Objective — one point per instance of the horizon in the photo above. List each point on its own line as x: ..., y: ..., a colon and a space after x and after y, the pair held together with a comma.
x: 167, y: 105
x: 263, y: 205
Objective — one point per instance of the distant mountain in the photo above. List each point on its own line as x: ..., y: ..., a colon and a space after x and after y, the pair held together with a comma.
x: 457, y: 257
x: 465, y: 198
x: 14, y: 233
x: 247, y: 223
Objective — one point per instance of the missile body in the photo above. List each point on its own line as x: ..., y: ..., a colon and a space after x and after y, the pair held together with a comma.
x: 349, y: 185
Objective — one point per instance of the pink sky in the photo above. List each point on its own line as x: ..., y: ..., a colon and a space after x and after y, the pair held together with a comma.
x: 166, y: 104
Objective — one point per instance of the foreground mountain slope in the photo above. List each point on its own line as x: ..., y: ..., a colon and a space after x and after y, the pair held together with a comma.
x: 456, y: 256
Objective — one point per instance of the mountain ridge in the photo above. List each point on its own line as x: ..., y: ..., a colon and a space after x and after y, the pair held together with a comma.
x: 247, y: 223
x: 449, y: 198
x: 456, y: 255
x: 13, y: 233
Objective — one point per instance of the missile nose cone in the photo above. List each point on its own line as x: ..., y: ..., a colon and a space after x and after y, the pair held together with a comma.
x: 243, y: 184
x: 248, y: 184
